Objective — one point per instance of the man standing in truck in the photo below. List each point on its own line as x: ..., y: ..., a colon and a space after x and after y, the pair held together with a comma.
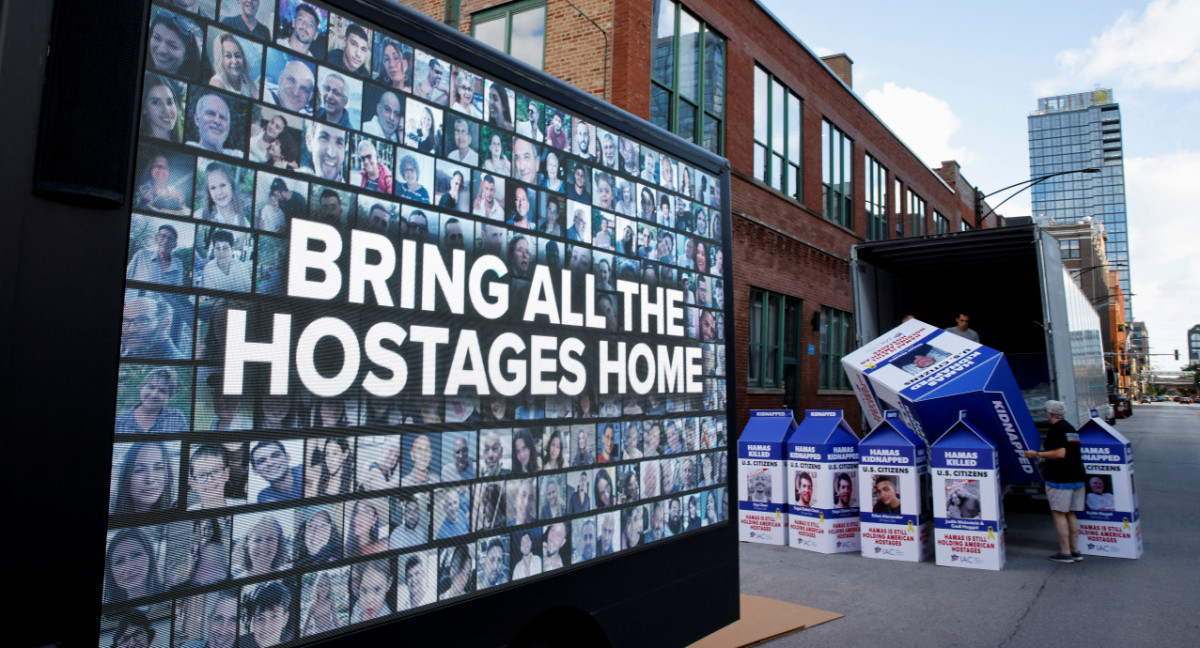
x: 962, y: 329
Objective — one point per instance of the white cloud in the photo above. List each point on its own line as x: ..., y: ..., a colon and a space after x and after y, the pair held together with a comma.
x: 1164, y: 259
x: 1159, y: 48
x: 821, y: 51
x: 921, y: 120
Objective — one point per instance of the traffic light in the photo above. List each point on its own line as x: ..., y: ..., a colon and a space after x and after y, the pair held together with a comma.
x: 1176, y: 354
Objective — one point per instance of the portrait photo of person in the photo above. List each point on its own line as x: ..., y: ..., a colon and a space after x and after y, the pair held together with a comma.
x: 175, y: 45
x: 522, y: 214
x: 493, y: 448
x: 331, y: 206
x: 253, y: 18
x: 225, y: 262
x: 461, y: 136
x: 452, y: 187
x: 367, y: 527
x: 370, y: 166
x: 456, y: 237
x: 885, y: 494
x: 527, y: 553
x: 629, y: 487
x: 198, y: 552
x: 329, y: 466
x: 583, y: 539
x: 144, y: 475
x: 843, y: 485
x: 393, y: 64
x: 490, y: 507
x: 530, y: 122
x: 758, y: 486
x: 410, y: 512
x: 207, y: 620
x: 461, y: 409
x: 422, y: 459
x: 278, y: 473
x: 372, y: 590
x: 522, y: 501
x: 962, y: 500
x: 318, y: 534
x: 349, y: 47
x: 633, y: 527
x: 609, y: 442
x: 499, y: 106
x: 495, y: 149
x: 340, y: 99
x: 710, y: 511
x: 383, y: 114
x: 451, y: 512
x: 527, y: 162
x: 921, y: 358
x: 553, y: 496
x: 164, y: 181
x: 456, y: 571
x: 1100, y: 493
x: 466, y: 95
x: 579, y: 182
x: 134, y: 629
x: 419, y: 224
x: 280, y: 200
x: 268, y: 613
x: 236, y: 63
x: 208, y: 476
x: 558, y: 129
x: 215, y: 122
x: 602, y: 483
x: 418, y: 579
x: 323, y: 600
x: 608, y: 156
x: 556, y: 549
x: 423, y: 127
x: 432, y: 79
x: 651, y: 478
x: 458, y: 459
x: 153, y: 400
x: 554, y: 447
x: 163, y: 103
x: 302, y: 28
x: 289, y: 82
x: 494, y: 560
x: 415, y: 178
x: 262, y: 542
x: 325, y: 151
x: 803, y: 493
x: 132, y: 564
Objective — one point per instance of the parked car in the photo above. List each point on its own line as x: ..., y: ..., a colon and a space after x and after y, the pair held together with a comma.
x: 1122, y: 408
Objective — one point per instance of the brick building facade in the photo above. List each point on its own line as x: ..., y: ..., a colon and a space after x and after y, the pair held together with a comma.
x: 788, y: 253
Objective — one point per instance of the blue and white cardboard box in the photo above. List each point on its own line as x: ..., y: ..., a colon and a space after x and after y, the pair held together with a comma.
x: 1110, y: 524
x: 893, y: 471
x: 822, y: 472
x: 968, y: 518
x: 762, y: 503
x: 929, y: 375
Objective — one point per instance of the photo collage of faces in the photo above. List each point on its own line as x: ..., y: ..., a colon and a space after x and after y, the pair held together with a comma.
x: 259, y: 520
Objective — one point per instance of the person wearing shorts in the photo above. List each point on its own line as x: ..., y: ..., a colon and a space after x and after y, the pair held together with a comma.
x: 1065, y: 476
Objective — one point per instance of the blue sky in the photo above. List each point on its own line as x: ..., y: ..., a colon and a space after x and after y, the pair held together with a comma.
x: 956, y: 80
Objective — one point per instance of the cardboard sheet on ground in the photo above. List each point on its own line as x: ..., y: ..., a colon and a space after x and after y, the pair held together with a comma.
x: 930, y: 375
x: 764, y: 619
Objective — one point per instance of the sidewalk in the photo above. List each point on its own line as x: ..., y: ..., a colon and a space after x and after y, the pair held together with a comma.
x: 1032, y: 601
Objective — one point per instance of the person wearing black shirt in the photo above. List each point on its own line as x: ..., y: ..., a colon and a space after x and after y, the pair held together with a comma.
x: 1065, y: 476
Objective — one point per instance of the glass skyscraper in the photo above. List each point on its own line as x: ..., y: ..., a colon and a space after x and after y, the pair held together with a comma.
x: 1079, y: 131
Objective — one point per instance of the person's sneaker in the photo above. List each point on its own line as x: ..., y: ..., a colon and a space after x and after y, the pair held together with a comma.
x: 1062, y: 558
x: 1076, y: 556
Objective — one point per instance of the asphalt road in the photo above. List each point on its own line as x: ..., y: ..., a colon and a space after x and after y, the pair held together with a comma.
x: 1152, y: 601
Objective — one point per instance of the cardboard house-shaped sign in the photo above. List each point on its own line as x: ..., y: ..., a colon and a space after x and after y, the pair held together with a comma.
x: 930, y: 375
x: 893, y: 475
x: 762, y: 503
x: 1110, y: 524
x: 822, y: 479
x: 968, y: 518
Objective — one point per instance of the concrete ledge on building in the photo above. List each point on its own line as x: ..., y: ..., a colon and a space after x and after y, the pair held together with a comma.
x: 767, y: 391
x: 835, y: 392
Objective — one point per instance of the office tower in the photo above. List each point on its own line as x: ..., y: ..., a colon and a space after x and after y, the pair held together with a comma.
x: 1080, y: 131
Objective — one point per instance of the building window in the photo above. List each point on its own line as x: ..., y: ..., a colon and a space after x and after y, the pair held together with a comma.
x: 916, y: 214
x: 837, y: 340
x: 1070, y: 249
x: 898, y: 196
x: 774, y: 337
x: 877, y: 200
x: 517, y: 29
x: 776, y: 134
x: 687, y: 77
x: 965, y: 226
x: 837, y: 174
x: 941, y: 224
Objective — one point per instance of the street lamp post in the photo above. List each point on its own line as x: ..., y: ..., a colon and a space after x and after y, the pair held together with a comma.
x: 979, y: 198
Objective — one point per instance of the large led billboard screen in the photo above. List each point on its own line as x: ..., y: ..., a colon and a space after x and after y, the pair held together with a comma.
x: 396, y: 333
